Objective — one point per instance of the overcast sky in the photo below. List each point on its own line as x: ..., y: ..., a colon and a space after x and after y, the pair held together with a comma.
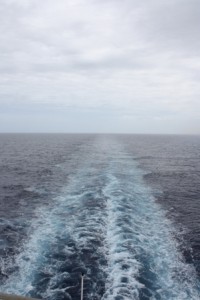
x: 129, y: 66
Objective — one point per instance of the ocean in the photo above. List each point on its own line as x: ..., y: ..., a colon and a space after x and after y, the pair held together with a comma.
x: 122, y: 209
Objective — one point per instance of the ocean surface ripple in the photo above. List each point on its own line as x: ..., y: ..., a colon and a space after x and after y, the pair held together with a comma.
x: 89, y: 207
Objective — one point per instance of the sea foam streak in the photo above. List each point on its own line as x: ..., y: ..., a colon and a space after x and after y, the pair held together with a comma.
x: 107, y: 224
x: 143, y: 260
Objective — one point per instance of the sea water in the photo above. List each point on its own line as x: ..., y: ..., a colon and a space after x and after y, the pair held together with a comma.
x: 122, y: 209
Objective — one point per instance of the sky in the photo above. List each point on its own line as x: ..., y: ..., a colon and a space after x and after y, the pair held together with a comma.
x: 106, y: 66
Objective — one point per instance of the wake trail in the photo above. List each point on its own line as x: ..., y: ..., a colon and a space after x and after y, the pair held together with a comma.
x: 107, y: 224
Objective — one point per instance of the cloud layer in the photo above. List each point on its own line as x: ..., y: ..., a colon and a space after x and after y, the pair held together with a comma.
x: 104, y: 66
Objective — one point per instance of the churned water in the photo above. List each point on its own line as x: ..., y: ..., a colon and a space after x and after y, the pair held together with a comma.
x: 123, y: 209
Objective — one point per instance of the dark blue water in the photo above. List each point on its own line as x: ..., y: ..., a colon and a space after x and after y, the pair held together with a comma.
x: 123, y: 209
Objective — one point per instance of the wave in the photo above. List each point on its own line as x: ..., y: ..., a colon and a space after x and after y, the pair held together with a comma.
x: 107, y: 224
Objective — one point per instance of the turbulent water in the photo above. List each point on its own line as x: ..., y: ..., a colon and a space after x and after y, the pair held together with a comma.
x: 123, y: 209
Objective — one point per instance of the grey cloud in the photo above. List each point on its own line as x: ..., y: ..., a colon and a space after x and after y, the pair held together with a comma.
x: 173, y: 24
x: 131, y: 58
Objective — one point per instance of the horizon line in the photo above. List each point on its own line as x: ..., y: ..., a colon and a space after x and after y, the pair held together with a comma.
x: 99, y: 133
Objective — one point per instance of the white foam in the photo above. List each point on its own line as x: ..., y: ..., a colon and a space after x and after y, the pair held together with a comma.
x: 66, y: 217
x: 144, y: 246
